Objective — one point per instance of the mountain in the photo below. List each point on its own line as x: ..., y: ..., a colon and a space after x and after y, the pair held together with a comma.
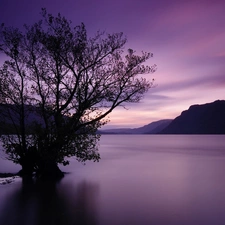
x: 9, y: 117
x: 152, y: 128
x: 199, y: 119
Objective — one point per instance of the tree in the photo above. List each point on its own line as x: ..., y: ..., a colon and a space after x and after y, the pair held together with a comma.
x: 57, y: 87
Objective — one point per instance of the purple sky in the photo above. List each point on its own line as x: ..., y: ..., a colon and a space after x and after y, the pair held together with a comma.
x: 187, y: 39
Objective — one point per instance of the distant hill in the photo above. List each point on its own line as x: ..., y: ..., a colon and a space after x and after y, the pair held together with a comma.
x: 199, y: 119
x: 9, y: 115
x: 32, y: 116
x: 152, y: 128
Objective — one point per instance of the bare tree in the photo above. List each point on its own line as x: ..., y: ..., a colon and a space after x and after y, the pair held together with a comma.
x: 61, y: 86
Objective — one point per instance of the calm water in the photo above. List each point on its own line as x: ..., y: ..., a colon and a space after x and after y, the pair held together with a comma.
x: 140, y: 180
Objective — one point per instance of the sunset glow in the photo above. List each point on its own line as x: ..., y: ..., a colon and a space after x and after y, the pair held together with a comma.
x: 187, y: 39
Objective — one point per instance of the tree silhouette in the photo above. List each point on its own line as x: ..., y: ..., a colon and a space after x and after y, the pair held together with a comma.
x: 58, y: 86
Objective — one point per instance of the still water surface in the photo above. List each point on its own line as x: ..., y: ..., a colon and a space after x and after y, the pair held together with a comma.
x: 140, y: 180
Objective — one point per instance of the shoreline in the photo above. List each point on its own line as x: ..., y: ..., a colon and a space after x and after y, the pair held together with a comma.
x: 8, y: 175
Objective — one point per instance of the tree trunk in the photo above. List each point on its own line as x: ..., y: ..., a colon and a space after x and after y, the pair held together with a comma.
x: 27, y: 167
x: 49, y: 170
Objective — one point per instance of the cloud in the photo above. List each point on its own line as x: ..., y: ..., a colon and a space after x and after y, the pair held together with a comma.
x: 187, y: 39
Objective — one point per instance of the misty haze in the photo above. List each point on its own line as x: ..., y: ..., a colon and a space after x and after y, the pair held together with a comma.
x: 128, y: 96
x: 141, y: 179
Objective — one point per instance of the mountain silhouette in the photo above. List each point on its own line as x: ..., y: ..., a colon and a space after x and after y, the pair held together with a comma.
x: 199, y: 119
x: 208, y: 118
x: 152, y: 128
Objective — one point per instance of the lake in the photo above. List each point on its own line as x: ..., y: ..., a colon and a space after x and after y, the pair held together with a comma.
x: 140, y: 180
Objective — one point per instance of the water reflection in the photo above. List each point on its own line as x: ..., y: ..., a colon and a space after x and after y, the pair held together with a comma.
x: 49, y: 203
x: 140, y: 180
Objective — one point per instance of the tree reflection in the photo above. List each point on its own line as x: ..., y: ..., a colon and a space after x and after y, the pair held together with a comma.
x: 50, y: 203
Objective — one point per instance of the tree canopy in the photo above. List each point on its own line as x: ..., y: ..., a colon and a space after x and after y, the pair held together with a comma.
x: 58, y: 86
